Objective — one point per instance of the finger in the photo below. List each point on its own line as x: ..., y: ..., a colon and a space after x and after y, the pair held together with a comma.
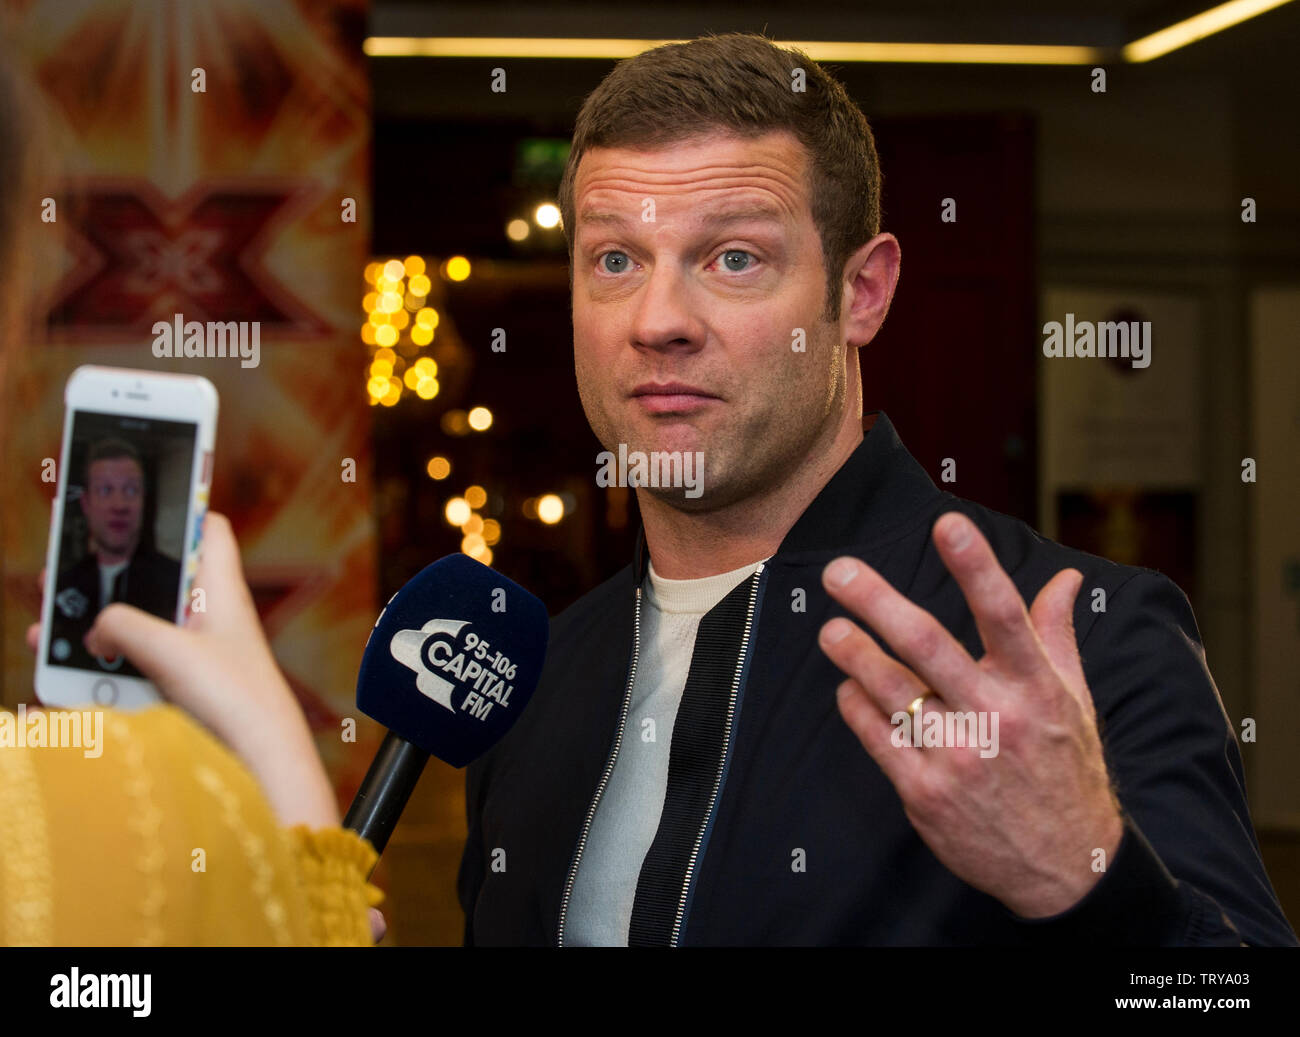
x: 901, y: 764
x: 995, y: 603
x: 378, y: 926
x: 916, y: 637
x: 33, y: 637
x: 1052, y: 615
x: 220, y: 574
x: 160, y: 650
x: 891, y: 685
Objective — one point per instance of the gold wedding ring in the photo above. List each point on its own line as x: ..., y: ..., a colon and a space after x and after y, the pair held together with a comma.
x: 916, y: 704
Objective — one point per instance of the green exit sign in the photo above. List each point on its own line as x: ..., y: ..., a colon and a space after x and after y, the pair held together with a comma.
x: 540, y: 160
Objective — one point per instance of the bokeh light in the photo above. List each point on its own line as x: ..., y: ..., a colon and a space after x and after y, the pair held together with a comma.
x: 550, y: 509
x: 427, y: 388
x: 457, y: 268
x: 458, y: 511
x: 398, y: 325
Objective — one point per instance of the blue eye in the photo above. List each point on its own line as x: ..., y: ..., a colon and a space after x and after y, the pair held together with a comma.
x: 624, y: 261
x: 731, y: 252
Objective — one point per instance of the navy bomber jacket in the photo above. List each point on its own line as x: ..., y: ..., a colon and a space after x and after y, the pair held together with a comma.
x: 762, y: 765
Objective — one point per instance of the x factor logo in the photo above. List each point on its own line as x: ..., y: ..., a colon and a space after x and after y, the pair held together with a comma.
x: 138, y: 255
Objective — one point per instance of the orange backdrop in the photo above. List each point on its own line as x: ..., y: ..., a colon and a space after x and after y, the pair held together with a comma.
x: 225, y: 204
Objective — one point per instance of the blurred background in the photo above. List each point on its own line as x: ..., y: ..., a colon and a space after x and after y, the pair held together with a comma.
x: 361, y: 179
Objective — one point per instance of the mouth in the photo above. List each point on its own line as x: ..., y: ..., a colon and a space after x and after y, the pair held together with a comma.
x: 672, y: 397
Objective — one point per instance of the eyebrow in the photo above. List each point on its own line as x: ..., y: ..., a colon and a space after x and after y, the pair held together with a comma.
x: 724, y: 216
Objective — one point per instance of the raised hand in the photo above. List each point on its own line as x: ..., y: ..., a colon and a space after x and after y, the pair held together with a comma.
x: 1023, y: 825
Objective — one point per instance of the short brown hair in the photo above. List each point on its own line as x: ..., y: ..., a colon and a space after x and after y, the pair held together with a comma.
x: 745, y: 84
x: 110, y: 450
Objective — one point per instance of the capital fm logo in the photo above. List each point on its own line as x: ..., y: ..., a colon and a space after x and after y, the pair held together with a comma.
x: 445, y: 654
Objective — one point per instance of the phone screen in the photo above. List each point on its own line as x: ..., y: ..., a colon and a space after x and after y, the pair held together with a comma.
x: 126, y: 502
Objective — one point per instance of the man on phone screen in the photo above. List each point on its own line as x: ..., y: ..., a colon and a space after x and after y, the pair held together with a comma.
x: 116, y: 567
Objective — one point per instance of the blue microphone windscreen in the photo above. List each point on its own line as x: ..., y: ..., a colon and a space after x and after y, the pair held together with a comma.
x: 453, y: 659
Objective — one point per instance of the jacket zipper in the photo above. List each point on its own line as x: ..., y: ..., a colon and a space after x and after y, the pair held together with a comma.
x: 722, y: 760
x: 618, y: 742
x: 609, y: 769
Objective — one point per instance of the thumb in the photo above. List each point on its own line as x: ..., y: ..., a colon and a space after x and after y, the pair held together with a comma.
x: 1052, y: 615
x: 160, y: 650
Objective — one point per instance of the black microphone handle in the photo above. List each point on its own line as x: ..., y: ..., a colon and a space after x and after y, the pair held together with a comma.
x: 387, y: 786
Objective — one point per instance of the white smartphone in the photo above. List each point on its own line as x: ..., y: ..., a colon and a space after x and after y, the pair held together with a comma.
x: 133, y: 482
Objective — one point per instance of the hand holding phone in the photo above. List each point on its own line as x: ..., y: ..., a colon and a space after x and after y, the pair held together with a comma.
x: 137, y: 451
x: 219, y: 668
x: 133, y: 485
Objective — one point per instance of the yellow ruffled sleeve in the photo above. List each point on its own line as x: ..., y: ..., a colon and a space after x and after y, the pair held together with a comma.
x: 158, y: 835
x: 334, y: 864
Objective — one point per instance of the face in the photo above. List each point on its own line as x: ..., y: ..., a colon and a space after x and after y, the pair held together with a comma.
x: 114, y: 504
x: 698, y: 297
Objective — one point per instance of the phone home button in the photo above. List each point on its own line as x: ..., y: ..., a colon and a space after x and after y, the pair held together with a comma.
x: 104, y: 692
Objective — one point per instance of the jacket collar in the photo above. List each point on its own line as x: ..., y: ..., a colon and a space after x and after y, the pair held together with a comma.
x: 879, y: 487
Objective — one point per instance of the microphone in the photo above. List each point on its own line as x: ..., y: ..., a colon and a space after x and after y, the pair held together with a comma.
x: 450, y: 664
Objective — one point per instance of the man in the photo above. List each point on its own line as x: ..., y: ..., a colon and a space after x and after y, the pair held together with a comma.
x: 117, y: 567
x: 693, y: 768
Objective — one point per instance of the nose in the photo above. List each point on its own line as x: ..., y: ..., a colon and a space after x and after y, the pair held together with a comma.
x: 666, y: 320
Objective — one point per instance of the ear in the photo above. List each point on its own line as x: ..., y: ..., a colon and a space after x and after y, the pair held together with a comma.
x: 870, y: 276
